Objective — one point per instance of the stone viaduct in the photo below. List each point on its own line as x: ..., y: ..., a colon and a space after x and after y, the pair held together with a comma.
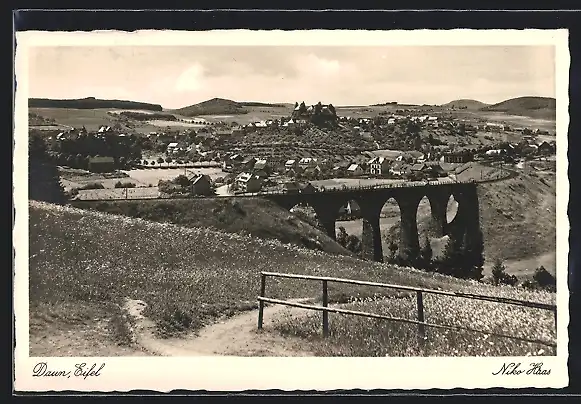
x: 371, y: 201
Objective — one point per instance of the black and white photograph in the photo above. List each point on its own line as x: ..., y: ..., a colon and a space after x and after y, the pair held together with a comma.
x: 233, y: 198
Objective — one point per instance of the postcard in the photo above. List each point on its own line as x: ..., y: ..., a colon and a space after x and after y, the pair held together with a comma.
x: 290, y: 210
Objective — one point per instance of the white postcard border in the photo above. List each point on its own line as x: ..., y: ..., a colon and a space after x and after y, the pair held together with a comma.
x: 237, y: 374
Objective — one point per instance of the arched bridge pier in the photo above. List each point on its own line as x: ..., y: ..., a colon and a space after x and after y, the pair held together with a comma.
x: 327, y: 205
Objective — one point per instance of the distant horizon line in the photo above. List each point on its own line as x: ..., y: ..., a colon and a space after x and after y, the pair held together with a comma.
x: 291, y: 103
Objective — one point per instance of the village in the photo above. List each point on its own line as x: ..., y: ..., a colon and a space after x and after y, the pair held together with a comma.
x: 263, y: 156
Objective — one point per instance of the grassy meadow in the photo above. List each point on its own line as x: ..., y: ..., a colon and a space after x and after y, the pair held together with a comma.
x: 189, y: 277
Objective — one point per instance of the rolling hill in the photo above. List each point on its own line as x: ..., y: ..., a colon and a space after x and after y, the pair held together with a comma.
x: 91, y: 103
x: 538, y: 107
x: 465, y: 104
x: 222, y: 106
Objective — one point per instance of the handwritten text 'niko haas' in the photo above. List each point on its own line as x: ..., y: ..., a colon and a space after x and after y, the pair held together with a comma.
x: 515, y: 369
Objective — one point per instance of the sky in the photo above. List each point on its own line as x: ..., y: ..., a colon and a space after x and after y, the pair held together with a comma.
x: 179, y: 76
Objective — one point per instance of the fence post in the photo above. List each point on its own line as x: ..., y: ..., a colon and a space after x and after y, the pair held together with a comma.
x: 555, y: 316
x: 421, y: 327
x: 325, y: 312
x: 261, y: 303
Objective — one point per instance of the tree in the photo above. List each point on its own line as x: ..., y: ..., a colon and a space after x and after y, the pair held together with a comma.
x: 37, y: 148
x: 160, y: 160
x: 182, y: 181
x: 393, y: 249
x: 342, y: 236
x: 474, y: 250
x: 450, y: 261
x: 353, y: 244
x: 499, y: 275
x: 426, y: 252
x: 332, y: 109
x: 43, y: 176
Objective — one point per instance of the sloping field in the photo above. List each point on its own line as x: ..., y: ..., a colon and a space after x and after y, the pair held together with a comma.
x: 81, y: 261
x: 518, y: 216
x: 254, y: 216
x: 518, y: 221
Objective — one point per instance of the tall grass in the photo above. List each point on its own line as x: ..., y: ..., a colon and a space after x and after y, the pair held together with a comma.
x: 359, y: 336
x: 188, y: 276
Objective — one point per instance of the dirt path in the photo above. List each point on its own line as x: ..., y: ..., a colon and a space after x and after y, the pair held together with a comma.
x: 236, y: 336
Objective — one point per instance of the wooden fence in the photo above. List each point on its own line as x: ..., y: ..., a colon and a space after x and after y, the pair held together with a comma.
x: 325, y: 309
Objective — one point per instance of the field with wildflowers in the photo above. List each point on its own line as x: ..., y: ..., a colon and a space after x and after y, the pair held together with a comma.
x: 253, y: 216
x: 82, y: 262
x: 359, y: 336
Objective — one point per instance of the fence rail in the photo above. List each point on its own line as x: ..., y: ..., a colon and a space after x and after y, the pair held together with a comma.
x: 419, y: 301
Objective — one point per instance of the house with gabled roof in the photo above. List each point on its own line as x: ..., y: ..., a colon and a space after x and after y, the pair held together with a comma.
x: 355, y: 170
x: 201, y: 184
x: 378, y: 166
x: 248, y: 182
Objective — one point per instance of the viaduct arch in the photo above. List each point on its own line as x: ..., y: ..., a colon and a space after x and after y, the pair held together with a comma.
x: 465, y: 224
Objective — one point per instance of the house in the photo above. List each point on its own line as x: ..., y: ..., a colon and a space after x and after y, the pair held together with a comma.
x: 248, y: 182
x: 432, y: 169
x: 232, y: 161
x: 248, y: 163
x: 172, y: 147
x: 493, y: 126
x: 312, y: 172
x: 352, y: 208
x: 291, y: 187
x: 201, y: 184
x: 458, y: 157
x: 399, y: 168
x: 391, y: 121
x: 261, y: 165
x: 378, y: 166
x: 415, y: 155
x: 530, y: 149
x: 289, y: 123
x: 306, y: 162
x: 355, y: 170
x: 101, y: 164
x: 493, y: 152
x: 545, y: 148
x: 308, y: 188
x: 290, y: 165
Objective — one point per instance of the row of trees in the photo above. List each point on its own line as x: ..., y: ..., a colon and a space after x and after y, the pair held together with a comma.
x: 462, y: 257
x: 542, y: 279
x: 90, y: 145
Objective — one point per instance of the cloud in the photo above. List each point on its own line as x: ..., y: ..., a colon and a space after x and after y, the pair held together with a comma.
x: 192, y: 79
x: 317, y: 67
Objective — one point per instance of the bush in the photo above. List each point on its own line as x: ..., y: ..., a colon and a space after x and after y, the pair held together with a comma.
x: 93, y: 185
x: 499, y: 275
x: 544, y: 279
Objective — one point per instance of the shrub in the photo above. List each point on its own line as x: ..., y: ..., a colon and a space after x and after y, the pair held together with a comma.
x: 544, y: 279
x: 93, y: 185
